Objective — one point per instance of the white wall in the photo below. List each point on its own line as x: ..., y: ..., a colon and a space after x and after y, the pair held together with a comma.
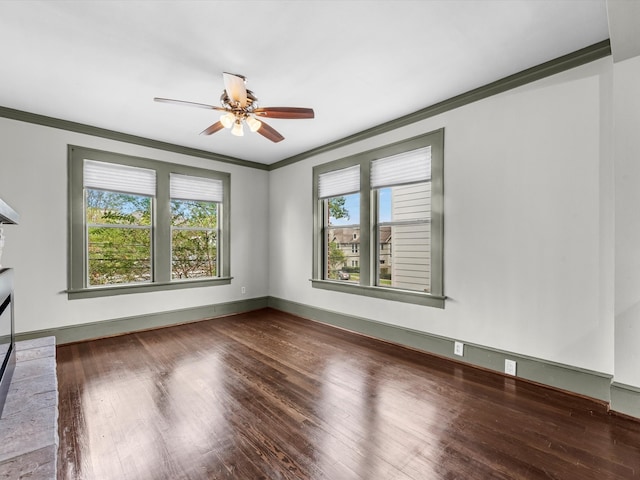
x: 526, y: 244
x: 530, y: 240
x: 33, y: 180
x: 627, y: 182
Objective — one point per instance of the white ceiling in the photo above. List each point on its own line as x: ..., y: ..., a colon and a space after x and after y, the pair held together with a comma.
x: 357, y: 63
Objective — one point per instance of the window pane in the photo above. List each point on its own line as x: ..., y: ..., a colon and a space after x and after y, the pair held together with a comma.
x: 404, y: 203
x: 344, y: 209
x: 194, y: 239
x: 118, y: 237
x: 194, y: 254
x: 343, y: 257
x: 190, y: 213
x: 104, y: 208
x: 119, y: 255
x: 342, y: 240
x: 404, y: 259
x: 404, y: 237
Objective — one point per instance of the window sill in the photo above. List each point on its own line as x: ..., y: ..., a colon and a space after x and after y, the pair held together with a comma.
x: 95, y: 292
x: 393, y: 294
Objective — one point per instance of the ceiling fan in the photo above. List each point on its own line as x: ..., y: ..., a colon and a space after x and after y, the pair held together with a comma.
x: 240, y: 106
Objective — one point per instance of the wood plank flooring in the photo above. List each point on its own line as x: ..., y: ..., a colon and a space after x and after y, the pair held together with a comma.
x: 267, y: 395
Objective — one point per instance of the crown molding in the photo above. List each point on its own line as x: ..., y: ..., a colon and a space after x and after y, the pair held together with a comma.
x: 122, y: 137
x: 566, y: 62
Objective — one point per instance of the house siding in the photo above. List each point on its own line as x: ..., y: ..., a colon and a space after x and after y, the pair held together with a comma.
x: 411, y: 244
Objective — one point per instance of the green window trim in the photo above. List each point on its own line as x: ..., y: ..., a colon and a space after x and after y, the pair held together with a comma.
x: 94, y: 292
x: 161, y: 230
x: 366, y: 285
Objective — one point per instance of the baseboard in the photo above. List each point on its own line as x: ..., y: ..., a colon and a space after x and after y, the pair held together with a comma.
x: 625, y: 399
x: 583, y: 382
x: 118, y: 326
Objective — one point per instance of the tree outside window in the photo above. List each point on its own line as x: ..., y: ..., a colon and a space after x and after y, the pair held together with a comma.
x: 118, y: 237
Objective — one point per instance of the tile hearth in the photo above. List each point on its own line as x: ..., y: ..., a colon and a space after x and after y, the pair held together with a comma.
x: 29, y: 423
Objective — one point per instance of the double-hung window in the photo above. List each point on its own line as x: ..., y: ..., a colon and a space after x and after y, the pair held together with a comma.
x: 195, y: 210
x: 141, y: 225
x: 378, y: 222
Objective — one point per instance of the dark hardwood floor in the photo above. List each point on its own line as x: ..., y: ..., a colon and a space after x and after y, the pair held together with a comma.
x: 267, y: 395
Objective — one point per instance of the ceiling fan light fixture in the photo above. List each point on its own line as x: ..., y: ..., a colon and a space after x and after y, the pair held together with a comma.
x: 254, y: 124
x: 237, y: 129
x: 238, y: 104
x: 227, y: 119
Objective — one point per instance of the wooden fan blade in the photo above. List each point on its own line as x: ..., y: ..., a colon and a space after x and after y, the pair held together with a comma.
x: 285, y: 112
x: 269, y: 132
x: 234, y: 85
x: 212, y: 129
x: 188, y: 104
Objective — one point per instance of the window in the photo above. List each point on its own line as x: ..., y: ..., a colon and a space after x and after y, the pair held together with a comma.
x: 142, y: 225
x: 387, y: 204
x: 195, y: 209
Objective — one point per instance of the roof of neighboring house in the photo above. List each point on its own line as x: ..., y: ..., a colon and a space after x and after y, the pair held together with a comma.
x: 385, y: 234
x: 345, y: 235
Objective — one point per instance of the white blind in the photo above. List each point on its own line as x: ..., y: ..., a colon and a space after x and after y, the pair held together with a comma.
x: 339, y: 182
x: 407, y: 167
x: 186, y: 187
x: 119, y: 178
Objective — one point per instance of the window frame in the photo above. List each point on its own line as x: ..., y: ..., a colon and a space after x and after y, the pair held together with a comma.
x: 368, y: 242
x: 77, y: 282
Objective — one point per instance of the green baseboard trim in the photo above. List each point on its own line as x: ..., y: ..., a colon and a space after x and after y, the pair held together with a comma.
x: 119, y: 326
x: 625, y: 399
x: 573, y: 379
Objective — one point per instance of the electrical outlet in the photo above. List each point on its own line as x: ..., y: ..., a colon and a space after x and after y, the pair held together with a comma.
x: 243, y: 290
x: 458, y: 348
x: 509, y: 367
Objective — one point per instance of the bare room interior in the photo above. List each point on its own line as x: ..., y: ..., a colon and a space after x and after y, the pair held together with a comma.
x: 320, y: 239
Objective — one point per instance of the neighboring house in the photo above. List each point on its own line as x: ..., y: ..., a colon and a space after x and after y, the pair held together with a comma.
x: 348, y: 241
x: 385, y: 252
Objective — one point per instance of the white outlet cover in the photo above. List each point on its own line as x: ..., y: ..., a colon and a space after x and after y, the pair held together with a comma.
x: 510, y: 367
x: 458, y: 348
